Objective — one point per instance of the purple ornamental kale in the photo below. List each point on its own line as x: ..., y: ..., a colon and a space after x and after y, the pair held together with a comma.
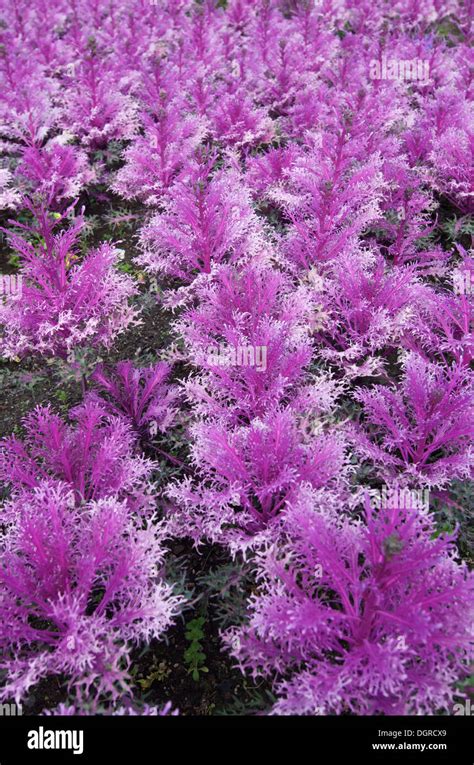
x: 407, y: 218
x: 247, y: 475
x: 207, y: 221
x: 94, y: 456
x: 79, y: 586
x: 93, y: 106
x: 368, y: 307
x: 152, y: 161
x: 452, y: 157
x: 266, y: 172
x: 10, y: 197
x: 249, y: 336
x: 443, y: 327
x: 371, y: 617
x: 65, y: 302
x: 424, y: 427
x: 237, y: 122
x: 27, y: 109
x: 142, y: 395
x: 329, y: 198
x: 54, y: 172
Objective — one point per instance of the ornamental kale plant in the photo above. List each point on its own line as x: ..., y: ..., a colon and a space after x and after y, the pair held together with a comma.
x: 368, y: 308
x: 369, y: 616
x: 249, y: 336
x: 94, y: 456
x: 238, y: 123
x: 143, y: 395
x: 10, y: 197
x: 79, y: 585
x: 153, y: 160
x: 247, y: 475
x: 55, y: 172
x: 66, y: 302
x: 97, y: 110
x: 443, y: 329
x: 424, y: 427
x: 206, y: 221
x: 328, y: 202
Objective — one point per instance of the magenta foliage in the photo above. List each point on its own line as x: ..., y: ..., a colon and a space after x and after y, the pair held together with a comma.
x: 94, y: 456
x: 248, y: 475
x: 97, y: 111
x: 305, y: 205
x: 153, y: 160
x: 256, y: 314
x: 236, y: 122
x: 266, y: 171
x: 453, y: 159
x: 369, y: 306
x: 27, y: 109
x: 142, y: 395
x: 65, y: 302
x: 423, y: 427
x: 444, y: 320
x: 407, y: 210
x: 123, y: 710
x: 10, y: 197
x: 452, y: 322
x: 370, y: 617
x: 54, y: 172
x: 207, y: 220
x: 330, y: 200
x: 78, y: 587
